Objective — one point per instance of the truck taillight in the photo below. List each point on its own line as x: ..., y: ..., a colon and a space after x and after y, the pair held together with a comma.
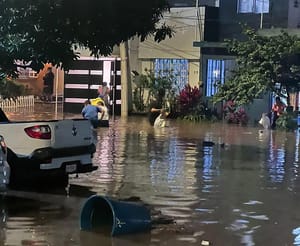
x: 3, y: 145
x: 39, y: 132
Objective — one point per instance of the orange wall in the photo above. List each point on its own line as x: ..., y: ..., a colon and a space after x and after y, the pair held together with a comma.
x: 35, y: 85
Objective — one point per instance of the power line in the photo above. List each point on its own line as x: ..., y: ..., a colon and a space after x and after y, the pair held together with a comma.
x: 170, y: 50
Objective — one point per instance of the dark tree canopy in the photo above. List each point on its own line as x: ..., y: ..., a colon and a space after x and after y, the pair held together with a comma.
x: 264, y: 64
x: 43, y: 31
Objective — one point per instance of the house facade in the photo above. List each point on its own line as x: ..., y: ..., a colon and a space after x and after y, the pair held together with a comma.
x: 266, y: 16
x: 191, y: 20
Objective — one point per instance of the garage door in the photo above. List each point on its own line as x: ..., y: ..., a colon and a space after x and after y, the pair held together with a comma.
x: 82, y: 80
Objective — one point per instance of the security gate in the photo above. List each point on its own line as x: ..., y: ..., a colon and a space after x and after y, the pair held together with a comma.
x: 82, y: 80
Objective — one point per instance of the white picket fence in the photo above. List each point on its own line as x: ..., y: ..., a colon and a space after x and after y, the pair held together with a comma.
x: 18, y: 102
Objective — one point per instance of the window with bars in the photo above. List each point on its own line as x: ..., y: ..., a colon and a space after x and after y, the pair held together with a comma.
x: 179, y: 68
x: 217, y: 72
x: 253, y: 6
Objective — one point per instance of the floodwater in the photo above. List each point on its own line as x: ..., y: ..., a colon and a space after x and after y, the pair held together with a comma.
x: 244, y: 190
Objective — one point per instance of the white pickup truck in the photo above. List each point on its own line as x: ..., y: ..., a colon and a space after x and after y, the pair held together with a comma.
x: 50, y: 149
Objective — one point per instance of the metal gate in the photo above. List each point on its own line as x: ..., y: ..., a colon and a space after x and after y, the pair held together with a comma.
x: 82, y: 80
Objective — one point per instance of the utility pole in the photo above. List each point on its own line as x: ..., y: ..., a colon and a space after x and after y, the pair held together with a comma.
x: 125, y: 79
x: 56, y: 92
x: 262, y: 15
x: 261, y: 20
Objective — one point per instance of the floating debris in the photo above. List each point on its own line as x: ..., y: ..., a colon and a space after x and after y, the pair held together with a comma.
x: 205, y: 243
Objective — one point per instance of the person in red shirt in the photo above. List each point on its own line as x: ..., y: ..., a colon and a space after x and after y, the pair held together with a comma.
x: 277, y: 109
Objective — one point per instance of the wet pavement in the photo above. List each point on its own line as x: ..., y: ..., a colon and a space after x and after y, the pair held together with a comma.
x: 244, y: 190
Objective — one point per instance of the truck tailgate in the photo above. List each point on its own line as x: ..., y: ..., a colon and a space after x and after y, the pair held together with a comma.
x: 70, y: 133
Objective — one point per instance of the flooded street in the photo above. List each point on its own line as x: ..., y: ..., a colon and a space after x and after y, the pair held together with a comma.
x: 244, y: 190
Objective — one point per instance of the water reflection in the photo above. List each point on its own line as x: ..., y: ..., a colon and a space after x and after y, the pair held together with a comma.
x: 92, y: 238
x: 23, y: 221
x: 276, y: 160
x: 241, y: 191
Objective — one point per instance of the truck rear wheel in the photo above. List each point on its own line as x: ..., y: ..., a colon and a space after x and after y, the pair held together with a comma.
x: 12, y: 162
x: 62, y: 180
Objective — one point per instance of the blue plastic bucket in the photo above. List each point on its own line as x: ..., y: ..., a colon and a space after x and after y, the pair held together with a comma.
x: 117, y: 217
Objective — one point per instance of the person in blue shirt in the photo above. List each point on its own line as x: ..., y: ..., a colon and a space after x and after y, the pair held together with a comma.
x: 90, y: 112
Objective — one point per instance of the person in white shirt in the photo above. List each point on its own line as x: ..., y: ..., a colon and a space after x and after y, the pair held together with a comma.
x: 103, y: 92
x: 160, y: 120
x: 265, y: 121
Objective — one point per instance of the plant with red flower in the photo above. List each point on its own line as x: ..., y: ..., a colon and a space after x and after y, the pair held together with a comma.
x: 234, y: 114
x: 189, y: 98
x: 191, y: 106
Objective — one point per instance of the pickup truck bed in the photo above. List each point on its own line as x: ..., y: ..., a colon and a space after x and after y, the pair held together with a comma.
x: 53, y: 148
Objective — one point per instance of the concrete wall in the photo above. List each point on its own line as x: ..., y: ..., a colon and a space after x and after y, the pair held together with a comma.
x: 294, y: 14
x: 185, y: 23
x: 188, y: 28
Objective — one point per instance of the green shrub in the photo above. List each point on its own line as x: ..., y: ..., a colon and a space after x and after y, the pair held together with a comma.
x: 10, y: 89
x: 287, y: 121
x: 141, y: 83
x: 161, y: 88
